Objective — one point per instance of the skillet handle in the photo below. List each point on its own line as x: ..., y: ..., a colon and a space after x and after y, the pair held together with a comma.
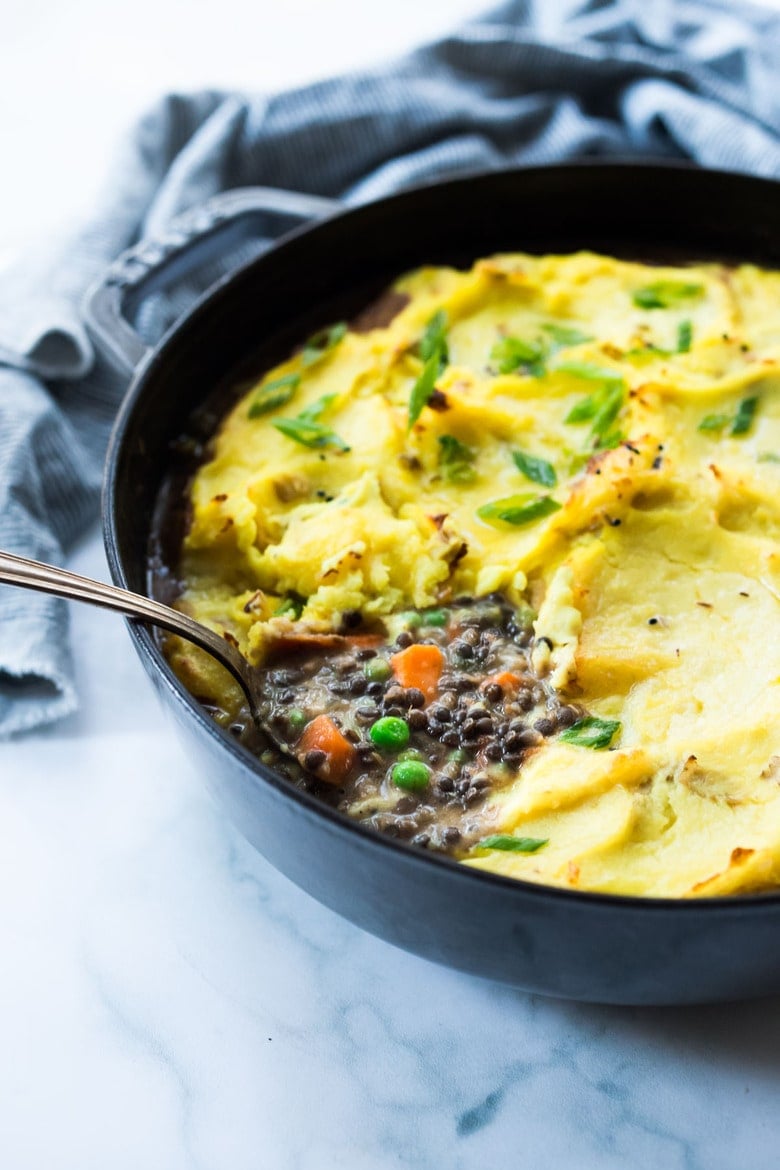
x: 192, y: 239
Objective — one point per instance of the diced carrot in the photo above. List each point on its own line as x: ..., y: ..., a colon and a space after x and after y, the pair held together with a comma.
x: 509, y: 683
x: 323, y: 735
x: 419, y: 666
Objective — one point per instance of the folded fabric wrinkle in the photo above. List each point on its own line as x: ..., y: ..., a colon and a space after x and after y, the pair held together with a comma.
x: 523, y: 84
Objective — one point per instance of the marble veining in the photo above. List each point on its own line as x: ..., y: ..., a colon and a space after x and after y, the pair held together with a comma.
x: 168, y: 1000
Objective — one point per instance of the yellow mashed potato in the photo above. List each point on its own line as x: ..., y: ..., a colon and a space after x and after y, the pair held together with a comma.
x: 631, y: 417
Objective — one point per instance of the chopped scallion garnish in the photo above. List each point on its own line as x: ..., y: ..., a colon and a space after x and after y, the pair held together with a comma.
x: 309, y: 434
x: 292, y: 606
x: 307, y: 430
x: 434, y: 339
x: 564, y: 335
x: 323, y: 342
x: 509, y: 844
x: 590, y: 371
x: 740, y: 422
x: 518, y: 510
x: 511, y: 354
x: 434, y: 351
x: 714, y: 422
x: 455, y: 460
x: 535, y: 469
x: 602, y: 407
x: 666, y: 294
x: 274, y: 394
x: 743, y: 419
x: 684, y: 336
x: 591, y: 732
x: 423, y: 388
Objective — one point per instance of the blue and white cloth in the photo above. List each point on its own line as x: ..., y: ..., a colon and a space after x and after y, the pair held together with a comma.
x: 526, y: 83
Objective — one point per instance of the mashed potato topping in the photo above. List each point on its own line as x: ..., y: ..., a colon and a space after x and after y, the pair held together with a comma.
x: 597, y: 441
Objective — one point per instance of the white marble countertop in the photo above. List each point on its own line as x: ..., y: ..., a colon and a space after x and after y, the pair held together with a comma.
x: 167, y: 1000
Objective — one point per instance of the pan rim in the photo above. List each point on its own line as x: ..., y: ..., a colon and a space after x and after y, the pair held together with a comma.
x: 725, y: 905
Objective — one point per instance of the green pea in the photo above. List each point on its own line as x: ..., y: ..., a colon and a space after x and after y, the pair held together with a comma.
x: 411, y: 619
x: 525, y: 615
x: 457, y: 756
x: 377, y: 670
x: 297, y: 718
x: 390, y: 733
x: 411, y: 774
x: 411, y: 754
x: 435, y: 617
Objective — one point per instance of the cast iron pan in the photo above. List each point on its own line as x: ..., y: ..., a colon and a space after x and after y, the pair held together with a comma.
x: 558, y: 942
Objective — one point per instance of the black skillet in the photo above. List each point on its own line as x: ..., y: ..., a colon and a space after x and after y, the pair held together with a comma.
x: 558, y: 942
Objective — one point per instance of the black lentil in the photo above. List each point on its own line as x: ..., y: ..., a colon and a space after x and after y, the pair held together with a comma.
x: 314, y: 759
x: 546, y: 726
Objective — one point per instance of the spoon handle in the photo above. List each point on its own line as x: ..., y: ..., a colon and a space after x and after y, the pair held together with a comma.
x: 29, y: 574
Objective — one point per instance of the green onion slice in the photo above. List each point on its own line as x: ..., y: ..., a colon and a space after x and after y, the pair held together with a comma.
x: 684, y: 336
x: 591, y: 372
x: 434, y: 352
x: 309, y: 434
x: 609, y: 405
x: 292, y: 606
x: 423, y: 388
x: 740, y: 422
x: 510, y: 844
x: 455, y: 460
x: 323, y: 342
x: 601, y: 409
x: 583, y: 411
x: 511, y: 353
x: 307, y: 430
x: 274, y: 394
x: 535, y: 469
x: 313, y: 412
x: 591, y: 732
x: 743, y: 419
x: 714, y: 422
x: 434, y: 339
x: 666, y: 294
x: 518, y: 510
x: 564, y: 335
x: 610, y: 440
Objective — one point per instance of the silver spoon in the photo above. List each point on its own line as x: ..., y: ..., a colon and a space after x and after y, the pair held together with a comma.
x: 31, y: 574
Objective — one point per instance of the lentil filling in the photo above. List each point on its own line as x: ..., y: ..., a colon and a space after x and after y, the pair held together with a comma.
x: 409, y: 728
